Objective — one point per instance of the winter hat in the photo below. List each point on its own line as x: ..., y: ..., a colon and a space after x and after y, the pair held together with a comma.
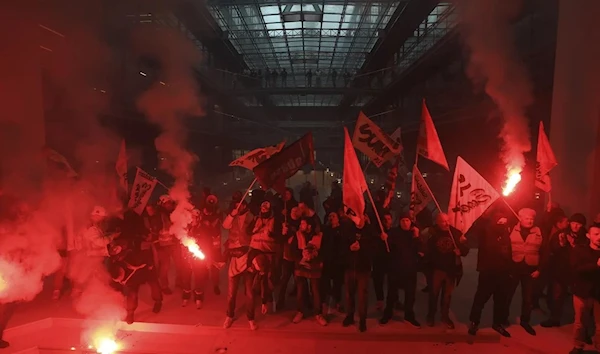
x: 579, y: 218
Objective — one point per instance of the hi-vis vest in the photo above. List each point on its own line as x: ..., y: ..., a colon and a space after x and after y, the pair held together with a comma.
x: 528, y: 250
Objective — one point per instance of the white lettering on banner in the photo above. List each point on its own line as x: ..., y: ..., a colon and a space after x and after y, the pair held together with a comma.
x: 290, y: 165
x: 143, y: 185
x: 470, y: 197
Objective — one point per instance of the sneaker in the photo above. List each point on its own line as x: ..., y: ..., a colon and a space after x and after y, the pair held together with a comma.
x: 157, y: 306
x: 264, y: 309
x: 473, y: 328
x: 527, y: 327
x: 167, y: 291
x: 379, y: 306
x: 184, y: 302
x: 321, y: 320
x: 448, y: 322
x: 253, y: 325
x: 500, y: 329
x: 56, y: 295
x: 412, y: 321
x: 228, y: 322
x: 217, y: 290
x: 298, y: 317
x: 4, y: 344
x: 198, y: 304
x: 550, y: 323
x: 129, y: 319
x: 362, y: 325
x: 348, y: 321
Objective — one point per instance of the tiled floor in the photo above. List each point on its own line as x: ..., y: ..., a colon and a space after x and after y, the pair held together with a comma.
x: 186, y: 330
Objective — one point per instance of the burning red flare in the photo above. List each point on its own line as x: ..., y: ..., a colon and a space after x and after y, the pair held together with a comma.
x: 512, y: 179
x: 192, y: 247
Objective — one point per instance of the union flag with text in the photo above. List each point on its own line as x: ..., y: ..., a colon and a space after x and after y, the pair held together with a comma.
x: 470, y: 196
x: 273, y: 172
x: 256, y: 156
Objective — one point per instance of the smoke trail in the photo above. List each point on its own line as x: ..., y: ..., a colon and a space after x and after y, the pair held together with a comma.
x: 486, y: 28
x: 168, y: 102
x: 76, y: 72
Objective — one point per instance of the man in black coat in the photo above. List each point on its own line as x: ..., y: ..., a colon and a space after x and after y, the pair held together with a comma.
x: 357, y: 245
x: 402, y: 268
x: 493, y: 263
x: 445, y: 247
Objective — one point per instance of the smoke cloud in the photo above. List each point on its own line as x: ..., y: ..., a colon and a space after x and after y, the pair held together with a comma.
x: 76, y: 69
x: 168, y: 103
x: 487, y: 30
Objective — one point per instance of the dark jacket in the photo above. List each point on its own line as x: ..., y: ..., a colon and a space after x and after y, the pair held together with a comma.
x: 586, y: 273
x: 404, y: 251
x: 495, y: 254
x: 560, y: 255
x: 332, y: 245
x: 440, y: 250
x: 361, y: 260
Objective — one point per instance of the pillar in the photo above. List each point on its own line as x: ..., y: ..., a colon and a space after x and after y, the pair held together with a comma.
x: 575, y: 120
x: 22, y: 116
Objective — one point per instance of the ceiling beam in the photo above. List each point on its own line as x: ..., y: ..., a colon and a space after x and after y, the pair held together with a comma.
x: 401, y: 27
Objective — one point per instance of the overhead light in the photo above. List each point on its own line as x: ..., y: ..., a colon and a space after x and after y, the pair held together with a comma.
x: 143, y: 73
x: 162, y: 83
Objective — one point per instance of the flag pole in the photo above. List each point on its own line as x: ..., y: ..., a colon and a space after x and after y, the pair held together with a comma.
x: 246, y: 194
x: 387, y: 247
x: 437, y: 204
x: 509, y: 207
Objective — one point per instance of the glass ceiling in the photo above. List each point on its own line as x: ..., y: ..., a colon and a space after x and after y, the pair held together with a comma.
x: 301, y: 36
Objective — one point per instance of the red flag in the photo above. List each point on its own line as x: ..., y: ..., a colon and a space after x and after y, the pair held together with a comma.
x: 546, y: 161
x: 273, y: 172
x: 428, y: 144
x: 121, y: 167
x: 353, y: 182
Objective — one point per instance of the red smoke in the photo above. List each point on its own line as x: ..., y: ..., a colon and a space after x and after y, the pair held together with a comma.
x: 487, y: 29
x: 75, y: 72
x: 168, y: 106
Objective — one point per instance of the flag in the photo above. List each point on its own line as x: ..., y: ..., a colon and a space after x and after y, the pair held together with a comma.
x: 60, y: 161
x: 372, y: 141
x: 420, y: 194
x: 470, y: 196
x: 353, y: 182
x: 256, y: 156
x: 273, y: 172
x: 141, y: 190
x: 121, y: 167
x: 390, y: 183
x: 428, y: 144
x: 546, y: 161
x: 396, y: 136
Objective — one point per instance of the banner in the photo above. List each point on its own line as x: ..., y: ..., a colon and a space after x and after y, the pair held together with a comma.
x: 420, y: 194
x: 353, y: 182
x: 121, y: 167
x: 428, y: 143
x: 546, y: 161
x: 372, y: 141
x: 257, y: 156
x: 273, y: 172
x: 470, y: 196
x: 141, y: 190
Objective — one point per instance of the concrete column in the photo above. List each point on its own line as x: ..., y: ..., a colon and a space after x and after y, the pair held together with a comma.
x: 575, y: 121
x: 22, y: 114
